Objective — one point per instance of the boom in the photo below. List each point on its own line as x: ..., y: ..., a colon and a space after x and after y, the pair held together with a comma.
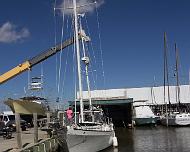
x: 35, y: 60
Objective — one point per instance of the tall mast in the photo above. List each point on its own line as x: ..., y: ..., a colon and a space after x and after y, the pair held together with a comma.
x: 164, y: 68
x: 78, y: 59
x: 165, y: 73
x: 177, y: 74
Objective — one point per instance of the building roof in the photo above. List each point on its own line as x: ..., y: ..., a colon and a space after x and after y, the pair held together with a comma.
x: 152, y: 95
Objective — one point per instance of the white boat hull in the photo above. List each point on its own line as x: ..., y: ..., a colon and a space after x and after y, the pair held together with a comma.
x: 182, y: 119
x: 183, y: 122
x: 88, y: 141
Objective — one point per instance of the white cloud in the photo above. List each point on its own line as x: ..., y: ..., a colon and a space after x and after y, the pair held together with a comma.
x: 83, y: 6
x: 10, y: 33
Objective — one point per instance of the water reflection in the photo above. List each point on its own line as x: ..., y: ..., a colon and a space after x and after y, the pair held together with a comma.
x: 115, y: 150
x: 152, y: 139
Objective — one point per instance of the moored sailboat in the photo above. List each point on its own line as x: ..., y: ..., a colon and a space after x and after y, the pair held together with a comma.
x: 173, y: 118
x: 91, y: 132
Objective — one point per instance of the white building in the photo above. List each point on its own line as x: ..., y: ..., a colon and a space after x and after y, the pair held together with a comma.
x: 151, y: 94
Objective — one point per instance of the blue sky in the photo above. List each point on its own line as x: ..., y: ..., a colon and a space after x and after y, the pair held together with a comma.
x: 131, y: 36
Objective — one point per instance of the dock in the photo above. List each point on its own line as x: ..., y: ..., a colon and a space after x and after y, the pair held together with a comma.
x: 10, y: 145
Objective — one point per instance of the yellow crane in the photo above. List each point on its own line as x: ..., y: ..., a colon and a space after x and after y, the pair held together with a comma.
x: 27, y: 65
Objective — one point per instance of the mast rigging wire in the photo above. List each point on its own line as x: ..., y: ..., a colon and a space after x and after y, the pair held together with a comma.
x: 94, y: 57
x: 55, y: 41
x: 60, y: 56
x: 100, y: 41
x: 66, y: 63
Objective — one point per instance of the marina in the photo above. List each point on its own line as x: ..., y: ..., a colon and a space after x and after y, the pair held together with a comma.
x: 140, y: 139
x: 152, y: 139
x: 97, y: 76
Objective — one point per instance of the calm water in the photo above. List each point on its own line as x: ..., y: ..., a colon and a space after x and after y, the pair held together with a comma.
x: 153, y: 139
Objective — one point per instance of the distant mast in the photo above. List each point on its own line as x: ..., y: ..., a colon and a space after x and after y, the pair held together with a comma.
x: 177, y: 75
x: 166, y: 77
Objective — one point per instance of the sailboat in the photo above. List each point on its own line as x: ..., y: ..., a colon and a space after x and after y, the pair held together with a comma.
x: 174, y: 118
x: 91, y: 133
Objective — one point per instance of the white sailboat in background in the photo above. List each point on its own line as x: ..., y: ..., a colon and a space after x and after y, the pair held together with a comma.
x: 173, y: 118
x: 92, y: 133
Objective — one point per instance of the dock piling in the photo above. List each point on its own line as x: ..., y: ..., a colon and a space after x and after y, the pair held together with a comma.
x: 18, y: 131
x: 35, y: 115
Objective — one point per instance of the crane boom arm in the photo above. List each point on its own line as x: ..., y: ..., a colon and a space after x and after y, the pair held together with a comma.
x: 50, y: 52
x: 35, y: 60
x: 14, y: 72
